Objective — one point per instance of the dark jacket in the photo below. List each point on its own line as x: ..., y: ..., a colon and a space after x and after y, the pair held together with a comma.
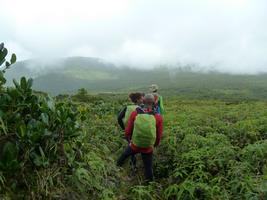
x: 120, y: 117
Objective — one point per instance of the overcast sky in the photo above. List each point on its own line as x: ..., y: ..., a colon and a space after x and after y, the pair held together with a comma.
x: 228, y: 35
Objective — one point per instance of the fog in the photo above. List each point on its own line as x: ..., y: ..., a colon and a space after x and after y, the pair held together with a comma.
x: 224, y: 35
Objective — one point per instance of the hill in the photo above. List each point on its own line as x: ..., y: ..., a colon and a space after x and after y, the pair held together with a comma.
x: 67, y: 75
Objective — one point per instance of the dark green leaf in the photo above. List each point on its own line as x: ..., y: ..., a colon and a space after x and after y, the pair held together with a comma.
x: 22, y: 130
x: 1, y: 46
x: 13, y: 58
x: 2, y: 78
x: 16, y: 83
x: 30, y: 82
x: 3, y: 54
x: 23, y: 83
x: 2, y: 61
x: 7, y: 64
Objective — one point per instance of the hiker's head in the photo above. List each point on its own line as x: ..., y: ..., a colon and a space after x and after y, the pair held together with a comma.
x: 141, y: 101
x: 153, y: 88
x: 143, y: 94
x: 136, y: 97
x: 149, y: 99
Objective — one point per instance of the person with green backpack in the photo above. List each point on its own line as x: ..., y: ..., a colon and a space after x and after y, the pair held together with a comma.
x: 144, y: 131
x: 124, y: 115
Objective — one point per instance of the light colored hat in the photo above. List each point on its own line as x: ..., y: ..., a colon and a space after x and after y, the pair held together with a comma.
x: 153, y: 88
x: 149, y: 98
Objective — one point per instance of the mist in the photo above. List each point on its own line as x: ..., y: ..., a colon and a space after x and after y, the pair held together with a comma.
x: 224, y: 35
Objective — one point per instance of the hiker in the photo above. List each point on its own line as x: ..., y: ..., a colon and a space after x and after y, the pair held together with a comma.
x: 158, y: 99
x: 123, y: 117
x: 144, y: 131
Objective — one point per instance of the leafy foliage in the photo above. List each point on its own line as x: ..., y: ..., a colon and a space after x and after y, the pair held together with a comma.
x: 210, y: 150
x: 42, y: 152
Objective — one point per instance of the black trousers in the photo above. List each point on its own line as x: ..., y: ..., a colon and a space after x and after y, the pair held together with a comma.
x: 147, y: 160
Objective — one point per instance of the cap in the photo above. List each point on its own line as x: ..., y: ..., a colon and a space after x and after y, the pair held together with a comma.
x: 153, y: 88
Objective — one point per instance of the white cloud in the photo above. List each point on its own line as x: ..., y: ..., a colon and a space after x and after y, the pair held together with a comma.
x: 137, y: 53
x: 16, y: 48
x: 231, y: 34
x: 83, y: 51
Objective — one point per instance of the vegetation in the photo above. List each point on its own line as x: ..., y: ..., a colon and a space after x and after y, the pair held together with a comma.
x: 42, y: 150
x: 66, y: 147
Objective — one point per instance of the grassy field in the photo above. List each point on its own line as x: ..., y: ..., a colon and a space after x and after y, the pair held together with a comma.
x: 213, y: 147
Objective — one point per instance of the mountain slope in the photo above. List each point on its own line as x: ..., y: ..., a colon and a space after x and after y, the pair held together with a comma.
x: 69, y: 74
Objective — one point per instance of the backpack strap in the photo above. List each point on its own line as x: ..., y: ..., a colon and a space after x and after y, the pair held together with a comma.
x: 156, y: 97
x: 139, y: 110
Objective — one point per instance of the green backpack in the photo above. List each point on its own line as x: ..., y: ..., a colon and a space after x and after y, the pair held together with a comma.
x: 144, y: 132
x: 128, y: 113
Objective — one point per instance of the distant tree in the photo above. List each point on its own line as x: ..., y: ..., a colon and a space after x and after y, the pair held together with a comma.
x: 62, y: 97
x: 82, y: 92
x: 82, y: 95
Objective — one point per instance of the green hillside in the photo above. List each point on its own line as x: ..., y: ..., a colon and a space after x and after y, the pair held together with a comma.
x: 69, y: 74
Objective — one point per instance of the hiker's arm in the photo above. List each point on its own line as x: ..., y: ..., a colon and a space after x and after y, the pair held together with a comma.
x: 120, y: 118
x: 130, y: 126
x: 159, y: 129
x: 162, y: 111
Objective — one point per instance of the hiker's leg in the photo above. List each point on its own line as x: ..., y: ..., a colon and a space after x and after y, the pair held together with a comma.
x: 127, y: 152
x: 147, y: 160
x: 133, y: 160
x: 133, y: 165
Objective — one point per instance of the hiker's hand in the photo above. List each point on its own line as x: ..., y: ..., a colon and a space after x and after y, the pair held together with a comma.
x: 128, y: 139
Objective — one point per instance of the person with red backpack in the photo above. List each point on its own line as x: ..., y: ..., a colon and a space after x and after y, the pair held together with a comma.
x: 158, y: 99
x: 144, y: 131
